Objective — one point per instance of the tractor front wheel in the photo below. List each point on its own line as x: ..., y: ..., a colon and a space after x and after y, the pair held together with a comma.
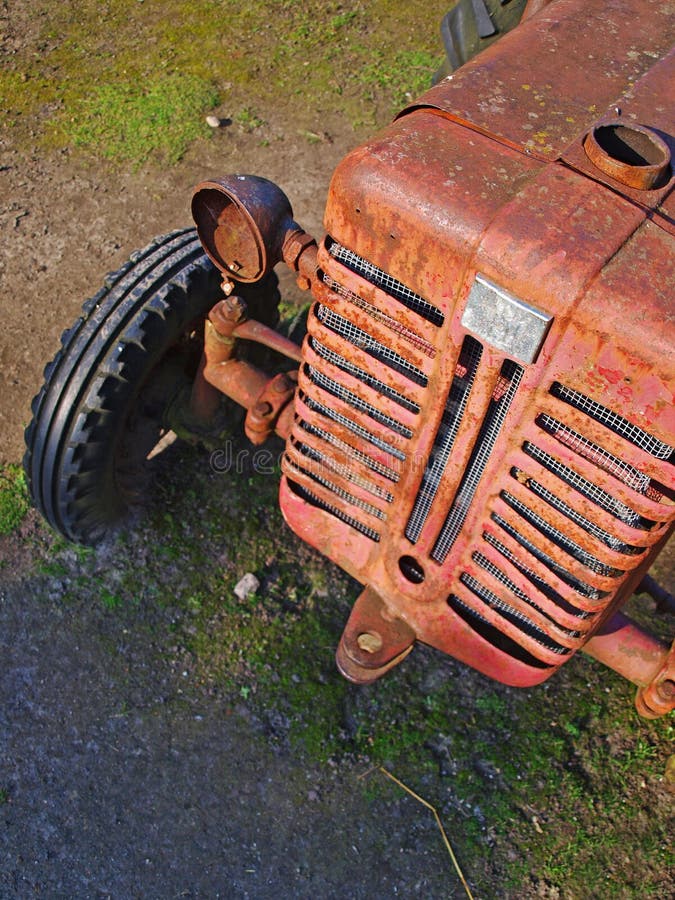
x: 102, y: 408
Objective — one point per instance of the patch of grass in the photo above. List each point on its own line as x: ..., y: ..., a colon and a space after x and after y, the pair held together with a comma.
x: 133, y: 85
x: 14, y: 500
x: 133, y: 121
x: 110, y: 599
x: 248, y: 120
x: 401, y: 79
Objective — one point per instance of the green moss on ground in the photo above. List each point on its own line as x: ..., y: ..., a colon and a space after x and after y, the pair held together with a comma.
x: 131, y: 82
x: 14, y: 501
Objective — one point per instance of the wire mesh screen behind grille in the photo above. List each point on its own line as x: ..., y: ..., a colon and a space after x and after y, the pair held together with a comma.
x: 613, y: 421
x: 554, y: 565
x: 573, y: 515
x: 561, y: 499
x: 536, y: 580
x: 331, y: 461
x: 346, y: 366
x: 381, y: 279
x: 361, y: 339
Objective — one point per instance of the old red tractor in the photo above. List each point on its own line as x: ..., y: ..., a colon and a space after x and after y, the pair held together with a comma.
x: 479, y: 424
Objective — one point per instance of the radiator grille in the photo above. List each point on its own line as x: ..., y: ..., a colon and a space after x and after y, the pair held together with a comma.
x: 583, y: 474
x: 341, y: 453
x: 559, y: 535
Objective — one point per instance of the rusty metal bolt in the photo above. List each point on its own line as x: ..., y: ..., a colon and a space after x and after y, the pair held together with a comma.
x: 370, y: 642
x: 666, y: 689
x: 227, y: 314
x: 262, y: 409
x: 296, y: 241
x: 236, y: 307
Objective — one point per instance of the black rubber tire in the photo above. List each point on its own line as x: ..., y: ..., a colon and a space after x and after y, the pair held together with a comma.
x: 472, y: 25
x: 100, y: 410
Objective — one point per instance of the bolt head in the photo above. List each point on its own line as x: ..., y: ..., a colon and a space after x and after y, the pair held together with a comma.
x: 370, y: 642
x: 262, y: 409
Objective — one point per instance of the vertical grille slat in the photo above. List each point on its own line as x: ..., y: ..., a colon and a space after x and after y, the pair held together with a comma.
x: 455, y: 406
x: 511, y: 374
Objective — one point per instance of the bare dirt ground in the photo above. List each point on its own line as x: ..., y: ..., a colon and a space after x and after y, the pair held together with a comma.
x: 65, y: 224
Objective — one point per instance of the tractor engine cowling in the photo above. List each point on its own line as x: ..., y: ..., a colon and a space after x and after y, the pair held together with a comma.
x: 484, y: 432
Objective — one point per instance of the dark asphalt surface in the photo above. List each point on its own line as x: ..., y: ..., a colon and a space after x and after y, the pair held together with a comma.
x: 117, y: 783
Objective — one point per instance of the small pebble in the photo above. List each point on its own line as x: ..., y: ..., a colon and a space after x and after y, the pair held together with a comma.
x: 248, y: 585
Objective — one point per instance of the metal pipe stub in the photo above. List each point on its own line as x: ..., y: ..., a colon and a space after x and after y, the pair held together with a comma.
x: 633, y: 155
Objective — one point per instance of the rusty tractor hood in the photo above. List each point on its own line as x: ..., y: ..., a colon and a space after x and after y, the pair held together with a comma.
x: 487, y: 173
